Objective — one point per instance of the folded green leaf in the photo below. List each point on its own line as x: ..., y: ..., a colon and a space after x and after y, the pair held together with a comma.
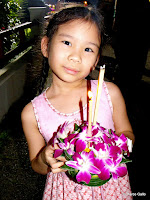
x: 67, y: 156
x: 96, y: 181
x: 67, y: 168
x: 124, y: 160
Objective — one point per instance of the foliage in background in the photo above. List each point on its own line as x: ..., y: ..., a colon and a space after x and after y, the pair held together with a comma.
x: 12, y: 13
x: 9, y: 13
x: 11, y: 42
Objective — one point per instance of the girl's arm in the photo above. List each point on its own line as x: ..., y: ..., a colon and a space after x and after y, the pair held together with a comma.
x: 41, y: 156
x: 120, y: 117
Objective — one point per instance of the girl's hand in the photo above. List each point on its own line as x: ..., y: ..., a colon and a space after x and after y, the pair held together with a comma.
x: 47, y: 156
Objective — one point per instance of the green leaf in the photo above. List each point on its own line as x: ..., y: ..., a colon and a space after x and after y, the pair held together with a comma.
x: 61, y: 140
x: 67, y: 156
x: 67, y: 167
x: 63, y: 154
x: 73, y: 173
x: 96, y: 181
x: 124, y: 160
x: 109, y: 131
x: 76, y: 127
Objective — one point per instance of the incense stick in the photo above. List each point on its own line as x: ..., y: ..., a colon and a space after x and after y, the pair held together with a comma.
x: 98, y: 94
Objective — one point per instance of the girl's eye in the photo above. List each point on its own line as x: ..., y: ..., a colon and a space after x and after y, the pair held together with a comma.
x: 67, y: 43
x: 88, y: 50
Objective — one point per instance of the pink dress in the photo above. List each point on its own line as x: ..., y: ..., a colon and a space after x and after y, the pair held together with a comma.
x: 58, y: 186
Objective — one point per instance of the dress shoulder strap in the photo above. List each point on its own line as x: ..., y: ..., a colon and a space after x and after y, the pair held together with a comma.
x: 42, y: 113
x: 35, y: 103
x: 108, y: 96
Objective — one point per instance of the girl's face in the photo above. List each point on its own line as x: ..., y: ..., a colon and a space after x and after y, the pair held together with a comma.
x: 74, y: 50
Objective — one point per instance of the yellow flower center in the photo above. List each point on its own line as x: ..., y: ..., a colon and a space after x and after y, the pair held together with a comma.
x: 87, y: 150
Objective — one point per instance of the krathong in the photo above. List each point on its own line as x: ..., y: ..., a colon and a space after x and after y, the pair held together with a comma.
x: 94, y: 154
x: 92, y: 165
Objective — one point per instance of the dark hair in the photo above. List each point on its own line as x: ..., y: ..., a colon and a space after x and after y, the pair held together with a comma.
x: 65, y: 15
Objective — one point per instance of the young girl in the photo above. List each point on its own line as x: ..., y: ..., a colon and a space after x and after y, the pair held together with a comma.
x: 71, y: 49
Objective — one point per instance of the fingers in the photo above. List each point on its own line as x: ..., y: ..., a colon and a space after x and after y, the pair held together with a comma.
x: 51, y: 147
x: 54, y: 163
x: 61, y: 158
x: 52, y: 150
x: 57, y: 165
x: 49, y: 153
x: 56, y: 146
x: 55, y: 168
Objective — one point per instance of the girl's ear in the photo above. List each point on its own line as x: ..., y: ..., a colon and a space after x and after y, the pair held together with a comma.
x: 93, y: 68
x: 44, y: 46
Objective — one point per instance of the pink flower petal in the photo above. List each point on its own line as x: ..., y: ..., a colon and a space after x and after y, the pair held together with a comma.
x: 123, y: 138
x: 58, y: 152
x: 73, y: 164
x: 99, y: 163
x: 121, y: 171
x: 80, y: 145
x: 94, y: 170
x: 83, y: 176
x: 105, y: 174
x: 109, y: 162
x: 62, y: 145
x: 90, y: 156
x: 118, y: 160
x: 114, y: 175
x: 106, y: 139
x: 70, y: 151
x: 100, y: 146
x: 114, y: 151
x: 75, y: 156
x: 124, y: 146
x: 71, y: 136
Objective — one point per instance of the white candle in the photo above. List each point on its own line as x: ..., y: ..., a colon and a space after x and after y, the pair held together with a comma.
x: 98, y: 94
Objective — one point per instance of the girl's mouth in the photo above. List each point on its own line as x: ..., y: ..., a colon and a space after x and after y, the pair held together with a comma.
x: 71, y: 71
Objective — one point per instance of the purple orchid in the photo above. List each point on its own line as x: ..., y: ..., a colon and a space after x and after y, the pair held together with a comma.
x: 111, y: 166
x: 84, y: 162
x: 100, y: 135
x: 101, y: 151
x: 82, y: 139
x: 97, y: 134
x: 107, y: 139
x: 64, y: 146
x: 102, y: 157
x: 63, y: 131
x: 121, y: 141
x: 104, y: 151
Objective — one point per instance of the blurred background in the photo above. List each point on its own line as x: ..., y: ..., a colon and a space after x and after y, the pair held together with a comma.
x: 126, y: 54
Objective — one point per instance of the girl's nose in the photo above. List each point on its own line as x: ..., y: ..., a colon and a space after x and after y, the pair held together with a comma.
x: 75, y: 57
